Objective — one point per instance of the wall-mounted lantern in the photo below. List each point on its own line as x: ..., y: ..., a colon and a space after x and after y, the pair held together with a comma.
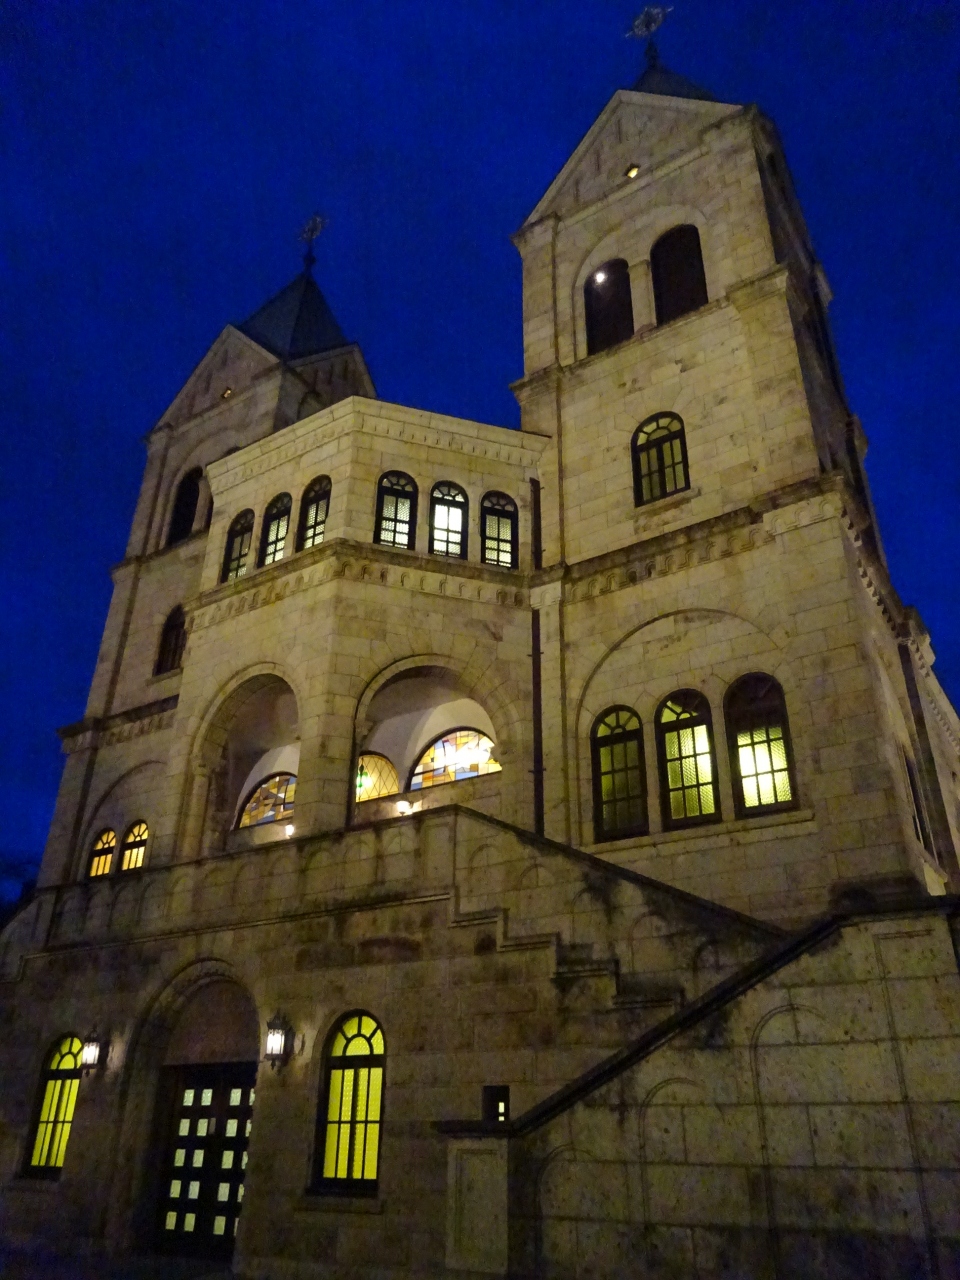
x: 279, y: 1041
x: 91, y: 1053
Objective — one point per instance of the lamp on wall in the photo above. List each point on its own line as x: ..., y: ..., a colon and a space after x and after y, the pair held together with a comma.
x: 90, y: 1054
x: 279, y: 1041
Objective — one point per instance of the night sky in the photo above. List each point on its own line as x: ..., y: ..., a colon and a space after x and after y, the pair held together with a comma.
x: 159, y: 158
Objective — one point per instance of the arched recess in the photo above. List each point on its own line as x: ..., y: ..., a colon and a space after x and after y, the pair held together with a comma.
x: 627, y: 671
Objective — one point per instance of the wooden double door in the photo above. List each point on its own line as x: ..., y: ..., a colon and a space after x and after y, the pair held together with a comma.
x: 204, y: 1139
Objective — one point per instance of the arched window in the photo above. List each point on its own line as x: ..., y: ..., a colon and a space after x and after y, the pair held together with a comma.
x: 347, y: 1149
x: 676, y: 265
x: 759, y: 738
x: 58, y: 1099
x: 134, y: 847
x: 238, y: 547
x: 185, y: 507
x: 270, y: 801
x: 498, y: 530
x: 376, y: 777
x: 688, y: 767
x: 101, y: 855
x: 396, y: 511
x: 173, y: 641
x: 276, y: 524
x: 659, y: 450
x: 448, y: 521
x: 619, y: 783
x: 607, y: 305
x: 457, y: 756
x: 314, y: 506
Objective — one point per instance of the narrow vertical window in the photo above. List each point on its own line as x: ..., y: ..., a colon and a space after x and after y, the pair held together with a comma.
x: 659, y: 458
x: 619, y: 784
x: 237, y: 552
x: 185, y: 504
x: 348, y: 1129
x: 101, y: 855
x: 676, y: 264
x: 314, y: 506
x: 276, y: 526
x: 134, y: 847
x: 498, y: 531
x: 608, y: 307
x: 396, y: 511
x: 58, y: 1099
x: 688, y: 767
x: 758, y: 736
x: 448, y: 521
x: 173, y: 641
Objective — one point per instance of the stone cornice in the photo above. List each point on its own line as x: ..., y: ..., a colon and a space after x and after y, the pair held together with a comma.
x: 106, y: 731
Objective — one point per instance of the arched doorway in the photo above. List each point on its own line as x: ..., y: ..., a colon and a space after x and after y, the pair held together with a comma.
x: 207, y: 1094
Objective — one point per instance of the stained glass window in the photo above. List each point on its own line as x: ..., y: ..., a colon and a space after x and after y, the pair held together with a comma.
x: 759, y: 739
x: 314, y: 506
x: 101, y: 856
x: 659, y: 458
x: 134, y: 847
x: 173, y: 641
x: 270, y: 801
x: 396, y: 511
x: 60, y: 1086
x: 376, y: 777
x: 688, y: 774
x: 619, y: 785
x: 448, y: 521
x: 457, y: 756
x: 238, y: 547
x: 498, y: 529
x: 276, y: 526
x: 348, y: 1138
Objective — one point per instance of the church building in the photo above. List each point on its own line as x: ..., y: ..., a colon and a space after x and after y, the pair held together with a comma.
x: 494, y: 852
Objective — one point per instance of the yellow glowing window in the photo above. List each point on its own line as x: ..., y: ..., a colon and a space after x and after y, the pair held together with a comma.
x: 396, y: 511
x: 348, y: 1144
x: 61, y: 1083
x: 759, y: 739
x: 313, y: 513
x: 448, y: 520
x: 498, y: 522
x: 134, y: 847
x: 457, y: 756
x: 659, y: 458
x: 270, y: 801
x: 276, y: 526
x: 619, y: 786
x: 688, y: 772
x: 763, y: 767
x: 101, y: 858
x: 376, y: 777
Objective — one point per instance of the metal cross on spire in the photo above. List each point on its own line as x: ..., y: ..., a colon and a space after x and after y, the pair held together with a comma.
x: 309, y: 233
x: 649, y: 21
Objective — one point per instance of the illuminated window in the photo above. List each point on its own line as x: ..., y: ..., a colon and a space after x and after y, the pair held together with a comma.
x: 448, y: 521
x: 237, y: 553
x: 498, y: 530
x: 396, y: 511
x: 759, y: 739
x: 608, y: 307
x: 676, y: 265
x: 688, y: 771
x: 173, y: 641
x: 348, y: 1130
x: 59, y: 1098
x: 276, y: 525
x: 185, y: 505
x: 270, y: 801
x: 376, y: 777
x: 619, y: 785
x: 659, y: 458
x: 134, y: 847
x: 462, y: 754
x: 101, y: 857
x: 314, y: 506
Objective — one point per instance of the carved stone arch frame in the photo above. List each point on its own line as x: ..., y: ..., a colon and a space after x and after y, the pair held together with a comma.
x: 93, y: 822
x: 650, y: 694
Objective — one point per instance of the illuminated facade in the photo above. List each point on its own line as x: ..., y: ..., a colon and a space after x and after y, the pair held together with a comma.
x: 493, y: 851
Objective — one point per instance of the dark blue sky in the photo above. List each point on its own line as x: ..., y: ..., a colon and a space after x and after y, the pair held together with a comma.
x: 158, y: 158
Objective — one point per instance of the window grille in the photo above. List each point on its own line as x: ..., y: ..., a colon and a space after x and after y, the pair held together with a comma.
x: 759, y: 740
x: 376, y: 777
x: 61, y: 1083
x: 314, y: 506
x: 237, y: 553
x: 173, y: 641
x: 659, y: 458
x: 134, y: 847
x: 101, y: 857
x: 348, y: 1131
x: 498, y: 529
x: 608, y: 306
x: 448, y: 521
x: 270, y: 801
x: 455, y: 757
x: 276, y: 525
x: 688, y: 770
x: 619, y: 783
x: 676, y: 265
x: 396, y: 511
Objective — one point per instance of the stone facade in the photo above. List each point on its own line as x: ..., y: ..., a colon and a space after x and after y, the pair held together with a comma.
x: 731, y: 1047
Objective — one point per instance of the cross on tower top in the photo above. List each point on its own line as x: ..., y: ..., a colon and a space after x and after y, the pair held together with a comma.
x: 649, y: 21
x: 309, y: 233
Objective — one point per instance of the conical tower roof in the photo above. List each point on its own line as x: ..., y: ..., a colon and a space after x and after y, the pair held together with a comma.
x: 296, y: 322
x: 660, y: 80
